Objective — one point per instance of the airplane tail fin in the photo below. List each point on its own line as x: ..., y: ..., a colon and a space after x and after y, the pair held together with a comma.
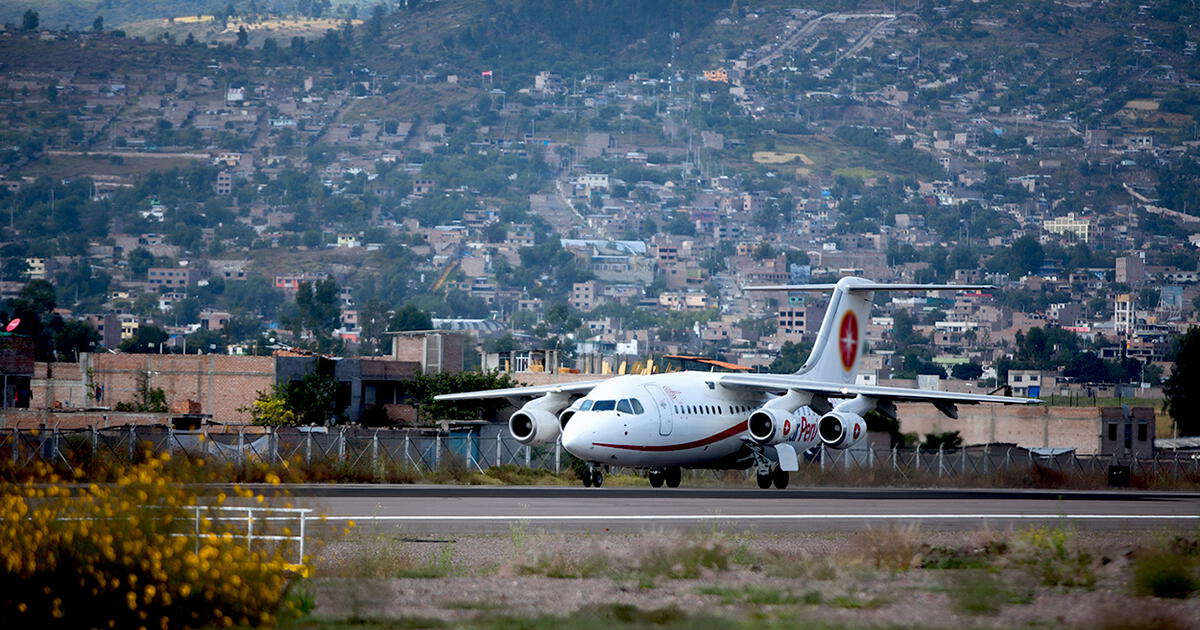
x: 835, y: 354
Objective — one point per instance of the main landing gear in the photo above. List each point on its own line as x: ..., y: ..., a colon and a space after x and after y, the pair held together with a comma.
x: 767, y: 472
x: 593, y: 476
x: 670, y: 475
x: 779, y: 478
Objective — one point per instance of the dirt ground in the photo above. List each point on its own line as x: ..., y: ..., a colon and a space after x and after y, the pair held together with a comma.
x: 880, y: 577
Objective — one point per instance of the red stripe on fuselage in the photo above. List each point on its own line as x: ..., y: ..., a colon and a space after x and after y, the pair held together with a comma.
x: 731, y: 431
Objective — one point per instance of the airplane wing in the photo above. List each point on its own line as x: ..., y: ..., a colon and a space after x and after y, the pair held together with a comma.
x: 780, y: 382
x: 580, y: 387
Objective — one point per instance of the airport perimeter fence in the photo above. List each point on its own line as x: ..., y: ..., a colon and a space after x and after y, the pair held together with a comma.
x: 427, y: 451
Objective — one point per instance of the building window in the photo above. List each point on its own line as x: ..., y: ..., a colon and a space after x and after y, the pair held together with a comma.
x: 1112, y: 431
x: 1142, y: 430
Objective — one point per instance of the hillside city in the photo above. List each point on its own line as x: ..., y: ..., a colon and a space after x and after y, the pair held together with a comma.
x: 217, y: 185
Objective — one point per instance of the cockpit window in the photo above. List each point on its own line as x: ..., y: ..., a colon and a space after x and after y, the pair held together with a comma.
x: 604, y: 405
x: 637, y: 406
x: 586, y: 404
x: 623, y: 406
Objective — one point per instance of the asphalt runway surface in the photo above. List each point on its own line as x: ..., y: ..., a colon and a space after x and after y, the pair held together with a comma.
x: 426, y: 509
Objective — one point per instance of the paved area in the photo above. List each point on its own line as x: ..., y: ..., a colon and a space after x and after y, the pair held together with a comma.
x: 467, y: 510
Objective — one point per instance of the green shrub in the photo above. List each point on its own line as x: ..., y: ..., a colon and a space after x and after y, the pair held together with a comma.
x: 1053, y: 557
x: 981, y: 592
x: 1163, y: 573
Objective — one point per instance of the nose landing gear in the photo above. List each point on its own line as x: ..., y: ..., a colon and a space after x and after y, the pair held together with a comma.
x: 592, y: 476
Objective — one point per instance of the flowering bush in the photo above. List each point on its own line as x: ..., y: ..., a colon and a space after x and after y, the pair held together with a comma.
x: 128, y: 555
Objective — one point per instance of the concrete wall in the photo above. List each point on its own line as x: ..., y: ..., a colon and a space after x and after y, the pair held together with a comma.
x: 1027, y: 426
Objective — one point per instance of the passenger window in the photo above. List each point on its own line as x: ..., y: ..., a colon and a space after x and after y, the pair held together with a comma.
x: 585, y: 405
x: 604, y: 405
x: 637, y: 406
x: 624, y: 407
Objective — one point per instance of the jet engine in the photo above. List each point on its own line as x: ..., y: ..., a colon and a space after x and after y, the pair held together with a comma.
x: 841, y: 429
x: 772, y: 426
x: 536, y: 422
x: 534, y: 426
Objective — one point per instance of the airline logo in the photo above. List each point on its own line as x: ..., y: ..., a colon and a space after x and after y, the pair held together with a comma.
x: 787, y: 427
x: 848, y: 340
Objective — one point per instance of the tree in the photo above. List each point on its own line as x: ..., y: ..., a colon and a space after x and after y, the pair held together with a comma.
x: 791, y: 358
x: 308, y: 401
x: 1182, y: 388
x: 421, y: 389
x: 29, y: 22
x: 966, y: 371
x: 149, y: 339
x: 947, y: 440
x: 140, y: 261
x: 98, y: 23
x: 243, y: 37
x: 409, y: 317
x: 318, y: 306
x: 76, y: 336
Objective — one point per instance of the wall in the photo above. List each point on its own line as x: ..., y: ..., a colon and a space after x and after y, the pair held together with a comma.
x: 1027, y: 426
x: 36, y: 418
x: 220, y: 383
x: 58, y: 385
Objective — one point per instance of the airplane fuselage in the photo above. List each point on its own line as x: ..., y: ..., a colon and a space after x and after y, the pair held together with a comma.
x: 682, y: 419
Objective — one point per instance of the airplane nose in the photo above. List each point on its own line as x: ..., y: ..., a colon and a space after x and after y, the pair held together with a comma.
x: 577, y: 436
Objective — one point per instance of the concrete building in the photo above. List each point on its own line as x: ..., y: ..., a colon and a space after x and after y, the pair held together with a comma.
x: 1079, y: 227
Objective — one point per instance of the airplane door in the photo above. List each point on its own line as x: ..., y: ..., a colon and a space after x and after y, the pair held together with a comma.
x: 664, y: 409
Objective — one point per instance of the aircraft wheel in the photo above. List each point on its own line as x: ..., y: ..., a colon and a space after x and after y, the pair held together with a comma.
x: 780, y: 478
x: 656, y: 478
x: 597, y: 478
x: 673, y: 476
x: 587, y: 478
x: 764, y: 481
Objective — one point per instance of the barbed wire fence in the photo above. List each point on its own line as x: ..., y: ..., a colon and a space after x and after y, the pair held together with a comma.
x: 424, y: 451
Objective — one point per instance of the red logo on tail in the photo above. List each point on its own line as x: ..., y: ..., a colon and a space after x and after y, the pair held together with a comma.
x: 848, y: 340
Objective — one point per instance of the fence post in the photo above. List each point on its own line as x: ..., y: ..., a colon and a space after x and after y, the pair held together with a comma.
x: 437, y: 450
x: 557, y: 451
x: 132, y: 441
x: 894, y: 467
x: 16, y: 443
x: 273, y: 441
x: 95, y: 440
x: 962, y: 467
x: 527, y: 454
x: 407, y: 457
x: 498, y: 447
x: 242, y: 444
x: 941, y: 455
x: 342, y: 444
x: 821, y: 452
x: 375, y: 449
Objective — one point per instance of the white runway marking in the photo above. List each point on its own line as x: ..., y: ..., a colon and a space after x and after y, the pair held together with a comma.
x: 758, y: 517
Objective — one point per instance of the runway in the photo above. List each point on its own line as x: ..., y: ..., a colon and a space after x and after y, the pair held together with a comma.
x: 489, y: 509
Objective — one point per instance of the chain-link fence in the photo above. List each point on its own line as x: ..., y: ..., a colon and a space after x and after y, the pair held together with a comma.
x: 425, y: 451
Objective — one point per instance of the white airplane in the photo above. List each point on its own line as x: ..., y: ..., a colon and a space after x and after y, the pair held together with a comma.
x: 667, y: 422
